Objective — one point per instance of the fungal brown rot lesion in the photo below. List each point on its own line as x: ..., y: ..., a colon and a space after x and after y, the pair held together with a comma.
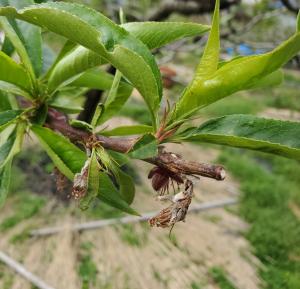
x: 178, y: 209
x: 162, y: 179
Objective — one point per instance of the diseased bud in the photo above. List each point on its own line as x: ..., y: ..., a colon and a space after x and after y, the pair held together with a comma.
x: 162, y: 178
x: 81, y: 182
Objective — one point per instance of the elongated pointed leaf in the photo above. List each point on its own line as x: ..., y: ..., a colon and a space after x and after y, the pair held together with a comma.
x: 110, y: 195
x: 128, y: 130
x: 239, y: 74
x: 210, y: 58
x: 5, y: 174
x: 93, y: 182
x: 7, y: 117
x: 30, y: 36
x: 10, y: 31
x: 96, y: 32
x: 13, y: 73
x: 68, y: 158
x: 157, y: 34
x: 251, y: 132
x: 145, y: 147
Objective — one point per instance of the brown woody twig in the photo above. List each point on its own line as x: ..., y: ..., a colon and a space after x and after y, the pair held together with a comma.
x: 166, y: 160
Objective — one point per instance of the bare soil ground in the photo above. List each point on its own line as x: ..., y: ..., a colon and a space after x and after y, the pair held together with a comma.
x: 212, y: 238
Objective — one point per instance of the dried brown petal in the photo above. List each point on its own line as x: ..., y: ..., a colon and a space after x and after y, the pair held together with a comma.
x: 81, y: 182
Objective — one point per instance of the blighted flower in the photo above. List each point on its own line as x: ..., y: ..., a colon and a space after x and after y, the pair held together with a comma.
x: 80, y: 184
x: 177, y: 211
x: 162, y: 178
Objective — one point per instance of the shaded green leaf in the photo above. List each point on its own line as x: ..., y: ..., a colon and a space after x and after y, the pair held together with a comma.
x: 251, y: 132
x: 67, y: 157
x: 109, y: 194
x: 7, y: 117
x: 145, y: 147
x: 128, y: 130
x: 127, y: 187
x: 40, y: 115
x: 5, y: 174
x: 157, y: 34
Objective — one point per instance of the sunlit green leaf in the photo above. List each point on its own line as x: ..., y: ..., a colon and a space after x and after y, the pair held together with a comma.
x: 14, y: 74
x: 251, y: 132
x: 239, y: 74
x: 128, y: 130
x: 157, y: 34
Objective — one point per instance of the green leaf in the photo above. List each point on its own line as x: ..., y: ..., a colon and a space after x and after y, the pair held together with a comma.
x: 40, y: 114
x: 127, y: 187
x: 5, y: 174
x: 17, y: 43
x: 4, y: 101
x: 145, y: 147
x: 210, y: 58
x: 157, y: 34
x: 7, y: 117
x: 30, y: 36
x: 7, y: 47
x: 70, y: 67
x: 128, y: 130
x: 110, y: 195
x: 239, y: 74
x: 251, y: 132
x: 13, y: 145
x: 67, y: 157
x: 272, y: 79
x: 119, y: 158
x: 13, y: 73
x: 80, y: 124
x: 92, y: 30
x: 93, y: 182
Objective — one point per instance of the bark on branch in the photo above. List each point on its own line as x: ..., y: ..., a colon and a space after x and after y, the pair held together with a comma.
x: 166, y: 160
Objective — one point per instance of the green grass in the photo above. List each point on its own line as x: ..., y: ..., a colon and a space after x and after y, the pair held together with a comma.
x: 219, y: 276
x: 87, y: 269
x: 26, y: 206
x: 269, y: 185
x: 130, y: 235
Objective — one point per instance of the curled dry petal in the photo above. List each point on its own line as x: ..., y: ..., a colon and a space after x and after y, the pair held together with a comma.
x: 81, y: 182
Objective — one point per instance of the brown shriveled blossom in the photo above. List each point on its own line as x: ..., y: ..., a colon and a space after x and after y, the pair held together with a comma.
x: 177, y: 211
x: 162, y: 179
